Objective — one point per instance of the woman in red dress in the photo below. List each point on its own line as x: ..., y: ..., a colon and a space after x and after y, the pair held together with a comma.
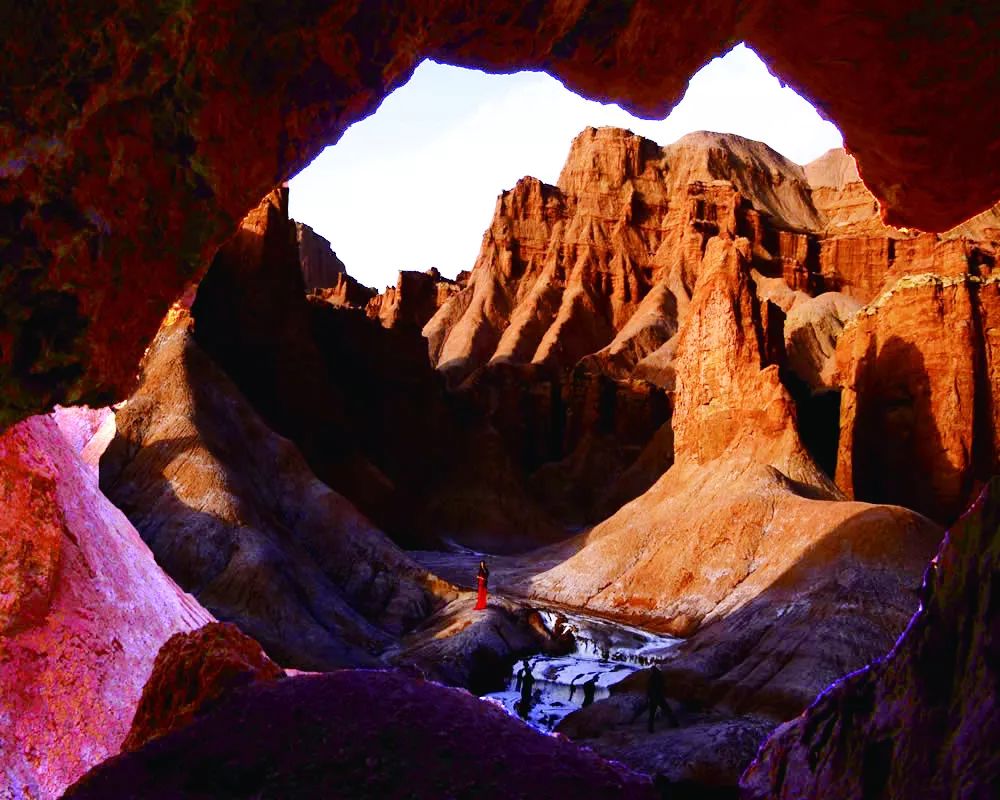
x: 481, y: 580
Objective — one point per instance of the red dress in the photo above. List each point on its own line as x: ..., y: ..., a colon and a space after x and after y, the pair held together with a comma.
x: 481, y: 597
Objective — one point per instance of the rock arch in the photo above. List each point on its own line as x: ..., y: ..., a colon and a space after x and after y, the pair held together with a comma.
x: 134, y: 135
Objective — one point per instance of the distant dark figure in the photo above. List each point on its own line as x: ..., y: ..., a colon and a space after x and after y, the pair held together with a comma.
x: 482, y: 579
x: 655, y: 699
x: 527, y: 685
x: 588, y: 691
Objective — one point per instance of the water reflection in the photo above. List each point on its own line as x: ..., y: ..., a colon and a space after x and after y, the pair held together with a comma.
x: 544, y: 689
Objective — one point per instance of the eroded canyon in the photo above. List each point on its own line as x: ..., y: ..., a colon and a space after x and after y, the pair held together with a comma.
x: 696, y: 388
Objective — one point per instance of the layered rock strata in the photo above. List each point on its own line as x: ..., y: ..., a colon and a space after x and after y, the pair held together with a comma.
x: 744, y: 523
x: 920, y: 415
x: 83, y: 610
x: 566, y: 335
x: 233, y: 512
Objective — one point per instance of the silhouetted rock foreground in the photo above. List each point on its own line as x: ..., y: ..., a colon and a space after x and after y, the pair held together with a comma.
x: 193, y: 670
x: 358, y: 735
x: 923, y: 722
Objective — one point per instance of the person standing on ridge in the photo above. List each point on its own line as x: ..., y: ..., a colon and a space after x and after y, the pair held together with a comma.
x: 482, y: 579
x: 589, y: 688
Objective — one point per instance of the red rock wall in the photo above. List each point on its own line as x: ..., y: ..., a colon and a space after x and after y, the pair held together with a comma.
x: 919, y: 411
x: 123, y: 117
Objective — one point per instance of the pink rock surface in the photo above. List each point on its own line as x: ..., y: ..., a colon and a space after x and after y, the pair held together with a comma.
x: 83, y: 610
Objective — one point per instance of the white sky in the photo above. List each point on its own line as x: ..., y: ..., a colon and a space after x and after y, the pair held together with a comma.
x: 414, y: 185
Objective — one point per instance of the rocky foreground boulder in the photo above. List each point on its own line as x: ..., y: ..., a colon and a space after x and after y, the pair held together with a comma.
x: 83, y: 610
x: 192, y: 671
x: 359, y: 734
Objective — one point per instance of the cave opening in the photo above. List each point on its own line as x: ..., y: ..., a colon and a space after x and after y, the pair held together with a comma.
x: 556, y: 420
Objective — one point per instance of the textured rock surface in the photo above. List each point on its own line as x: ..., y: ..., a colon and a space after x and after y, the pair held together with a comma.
x: 192, y: 671
x: 122, y: 117
x: 811, y: 331
x: 325, y: 274
x: 566, y: 333
x: 83, y: 610
x: 744, y: 523
x: 320, y: 265
x: 460, y: 646
x: 360, y: 401
x: 924, y: 721
x: 605, y: 261
x: 414, y: 299
x: 920, y: 420
x: 847, y: 206
x: 234, y: 514
x: 359, y: 734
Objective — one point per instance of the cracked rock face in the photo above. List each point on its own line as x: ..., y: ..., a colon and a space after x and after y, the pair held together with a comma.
x: 123, y: 117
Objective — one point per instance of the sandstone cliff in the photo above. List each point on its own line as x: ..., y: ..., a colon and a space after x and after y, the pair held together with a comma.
x: 744, y: 523
x: 414, y: 299
x: 566, y: 335
x: 580, y: 290
x: 564, y: 269
x: 920, y: 417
